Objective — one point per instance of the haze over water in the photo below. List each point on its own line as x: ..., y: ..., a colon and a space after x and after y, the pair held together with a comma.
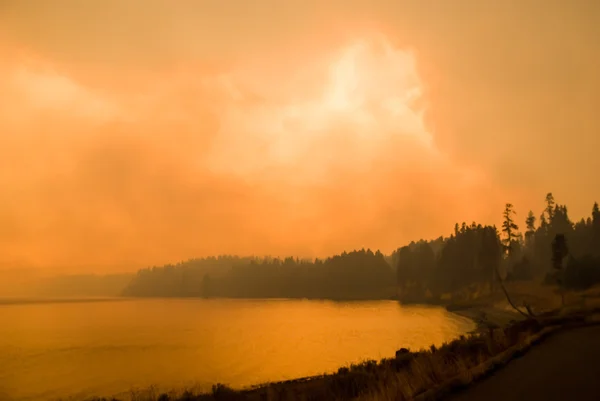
x: 51, y: 350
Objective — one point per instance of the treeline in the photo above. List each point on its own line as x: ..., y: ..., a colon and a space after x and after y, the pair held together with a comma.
x: 360, y: 274
x: 423, y: 271
x: 426, y: 270
x: 552, y: 247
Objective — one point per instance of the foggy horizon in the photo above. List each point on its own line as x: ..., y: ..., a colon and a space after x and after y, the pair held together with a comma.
x: 135, y: 134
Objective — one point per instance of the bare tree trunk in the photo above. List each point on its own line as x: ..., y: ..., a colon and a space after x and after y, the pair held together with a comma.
x: 508, y: 296
x: 561, y: 288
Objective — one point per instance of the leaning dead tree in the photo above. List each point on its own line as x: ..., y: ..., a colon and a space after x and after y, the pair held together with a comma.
x: 529, y: 314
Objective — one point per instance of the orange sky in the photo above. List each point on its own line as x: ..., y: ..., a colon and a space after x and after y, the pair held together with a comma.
x: 145, y: 132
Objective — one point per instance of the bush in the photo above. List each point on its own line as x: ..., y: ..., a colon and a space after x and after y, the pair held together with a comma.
x: 582, y: 273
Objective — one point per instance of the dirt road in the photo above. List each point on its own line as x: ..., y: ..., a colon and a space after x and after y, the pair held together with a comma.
x: 565, y: 367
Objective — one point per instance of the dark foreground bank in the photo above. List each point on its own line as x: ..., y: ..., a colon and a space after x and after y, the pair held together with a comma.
x: 408, y: 375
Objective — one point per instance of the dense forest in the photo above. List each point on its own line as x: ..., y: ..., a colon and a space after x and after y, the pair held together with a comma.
x: 556, y: 250
x: 551, y: 248
x: 356, y: 275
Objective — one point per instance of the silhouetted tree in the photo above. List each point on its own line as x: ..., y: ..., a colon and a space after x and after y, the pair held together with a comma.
x: 510, y: 229
x: 543, y: 221
x: 595, y: 231
x: 530, y: 225
x: 549, y: 206
x: 490, y: 254
x: 559, y: 252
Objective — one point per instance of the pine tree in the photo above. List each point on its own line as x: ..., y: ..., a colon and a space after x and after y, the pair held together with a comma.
x: 595, y: 224
x: 509, y: 228
x: 530, y: 224
x: 559, y: 251
x: 550, y: 206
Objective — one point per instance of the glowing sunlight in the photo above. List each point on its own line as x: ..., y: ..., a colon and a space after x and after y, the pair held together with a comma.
x: 371, y: 92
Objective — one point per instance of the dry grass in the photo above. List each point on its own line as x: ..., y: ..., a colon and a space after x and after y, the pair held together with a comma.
x: 540, y: 297
x: 453, y: 361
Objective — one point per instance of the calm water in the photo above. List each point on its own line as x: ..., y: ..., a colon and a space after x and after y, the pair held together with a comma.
x: 79, y: 349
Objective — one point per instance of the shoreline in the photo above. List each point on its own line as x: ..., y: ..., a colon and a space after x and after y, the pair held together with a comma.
x: 497, y: 317
x: 293, y: 385
x: 489, y: 316
x: 484, y: 314
x: 258, y: 391
x: 410, y: 375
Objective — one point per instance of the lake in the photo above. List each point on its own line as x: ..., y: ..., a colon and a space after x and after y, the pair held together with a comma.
x: 81, y: 349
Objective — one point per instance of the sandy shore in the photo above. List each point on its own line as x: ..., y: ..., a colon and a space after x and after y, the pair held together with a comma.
x: 489, y: 316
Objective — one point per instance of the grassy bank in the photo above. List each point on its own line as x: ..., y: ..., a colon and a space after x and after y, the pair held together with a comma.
x: 405, y: 377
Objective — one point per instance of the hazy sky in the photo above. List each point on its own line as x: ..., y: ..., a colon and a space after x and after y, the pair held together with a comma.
x: 145, y: 132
